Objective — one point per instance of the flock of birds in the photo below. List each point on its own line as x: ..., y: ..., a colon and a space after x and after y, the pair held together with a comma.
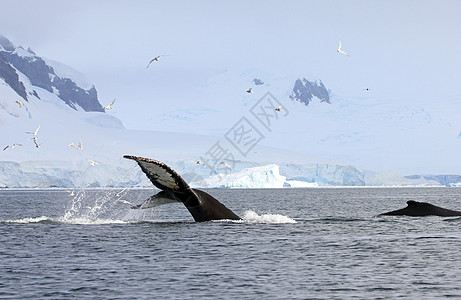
x: 225, y: 164
x: 35, y: 137
x: 279, y: 108
x: 79, y: 146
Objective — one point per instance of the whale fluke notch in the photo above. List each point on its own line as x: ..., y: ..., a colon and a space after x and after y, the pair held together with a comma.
x: 419, y: 209
x: 201, y: 205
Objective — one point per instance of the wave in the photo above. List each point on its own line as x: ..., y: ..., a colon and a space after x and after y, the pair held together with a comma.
x: 75, y: 221
x: 86, y: 221
x: 40, y: 219
x: 249, y: 217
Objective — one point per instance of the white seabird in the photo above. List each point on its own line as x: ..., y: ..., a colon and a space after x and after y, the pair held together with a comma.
x: 80, y: 145
x: 109, y: 106
x: 198, y: 162
x: 11, y: 146
x: 341, y: 51
x: 20, y: 103
x: 92, y: 162
x: 36, y: 131
x: 250, y: 91
x: 226, y: 165
x: 37, y: 145
x: 154, y: 59
x: 279, y: 108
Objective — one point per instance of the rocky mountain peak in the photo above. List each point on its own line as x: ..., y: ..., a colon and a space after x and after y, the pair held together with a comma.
x: 6, y: 44
x: 41, y: 74
x: 304, y: 91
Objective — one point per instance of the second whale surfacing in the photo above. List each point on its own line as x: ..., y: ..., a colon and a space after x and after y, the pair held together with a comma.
x: 201, y: 205
x: 419, y: 209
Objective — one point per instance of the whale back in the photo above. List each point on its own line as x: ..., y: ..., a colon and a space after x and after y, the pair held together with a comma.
x: 418, y: 209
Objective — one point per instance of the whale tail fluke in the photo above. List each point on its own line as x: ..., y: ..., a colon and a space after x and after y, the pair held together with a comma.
x: 201, y: 205
x: 161, y: 198
x: 161, y: 175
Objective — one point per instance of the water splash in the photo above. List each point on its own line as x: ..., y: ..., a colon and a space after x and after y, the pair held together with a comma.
x: 98, y: 207
x: 87, y: 207
x: 252, y: 217
x: 95, y: 207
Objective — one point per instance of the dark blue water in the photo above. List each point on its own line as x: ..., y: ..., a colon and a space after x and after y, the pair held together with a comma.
x: 292, y: 244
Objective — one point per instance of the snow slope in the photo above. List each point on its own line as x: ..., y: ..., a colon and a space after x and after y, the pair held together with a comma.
x: 105, y: 141
x: 365, y: 129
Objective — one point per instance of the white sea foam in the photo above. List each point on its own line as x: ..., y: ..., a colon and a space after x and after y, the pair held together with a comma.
x: 252, y: 217
x: 87, y: 221
x: 28, y: 220
x: 76, y: 221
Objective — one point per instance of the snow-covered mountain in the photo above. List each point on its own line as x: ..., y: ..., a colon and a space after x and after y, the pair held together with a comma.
x: 53, y: 77
x: 220, y: 117
x: 365, y: 129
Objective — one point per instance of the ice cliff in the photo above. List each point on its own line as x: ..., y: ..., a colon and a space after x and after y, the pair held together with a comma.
x: 258, y: 177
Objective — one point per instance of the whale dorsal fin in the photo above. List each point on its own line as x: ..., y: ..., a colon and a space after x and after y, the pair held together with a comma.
x: 162, y: 176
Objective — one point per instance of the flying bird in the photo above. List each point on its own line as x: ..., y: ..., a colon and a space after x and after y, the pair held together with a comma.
x: 279, y: 108
x: 34, y: 133
x: 226, y: 165
x: 92, y: 162
x: 154, y: 59
x: 367, y: 89
x: 20, y: 103
x: 11, y: 146
x: 198, y: 162
x: 80, y: 145
x: 341, y: 51
x: 250, y: 91
x: 37, y: 145
x: 109, y: 106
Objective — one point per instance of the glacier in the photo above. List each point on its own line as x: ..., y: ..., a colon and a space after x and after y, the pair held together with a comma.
x: 123, y: 174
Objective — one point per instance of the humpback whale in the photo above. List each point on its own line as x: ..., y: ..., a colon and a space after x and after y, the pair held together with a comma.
x: 418, y: 209
x: 201, y: 205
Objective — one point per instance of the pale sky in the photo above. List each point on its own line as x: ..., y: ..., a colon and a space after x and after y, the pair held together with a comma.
x: 399, y: 47
x: 406, y: 51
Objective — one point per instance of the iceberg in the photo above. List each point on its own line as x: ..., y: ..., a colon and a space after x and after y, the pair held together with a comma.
x: 258, y: 177
x: 300, y: 184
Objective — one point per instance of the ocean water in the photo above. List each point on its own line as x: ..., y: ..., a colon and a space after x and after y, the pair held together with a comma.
x: 323, y: 243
